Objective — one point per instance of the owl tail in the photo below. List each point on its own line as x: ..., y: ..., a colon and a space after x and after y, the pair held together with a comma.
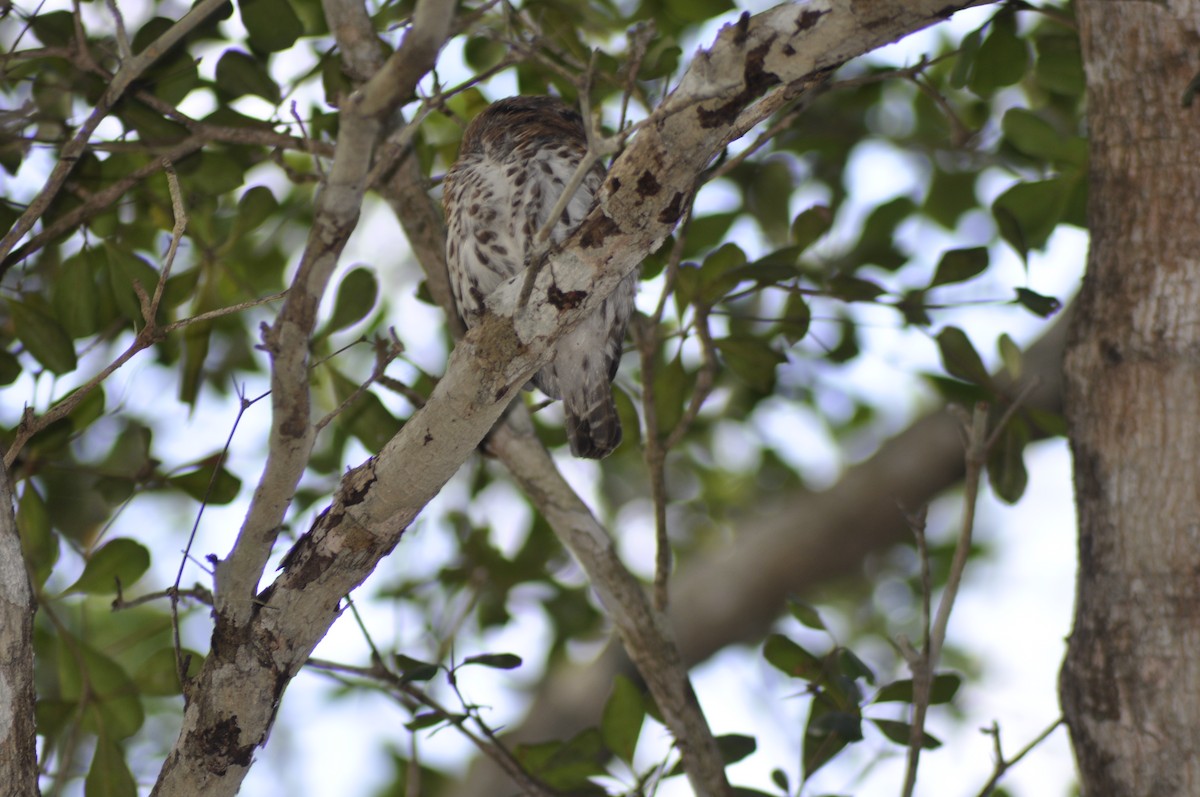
x: 593, y: 428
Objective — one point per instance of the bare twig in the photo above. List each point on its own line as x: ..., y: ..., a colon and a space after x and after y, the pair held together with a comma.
x: 1002, y: 765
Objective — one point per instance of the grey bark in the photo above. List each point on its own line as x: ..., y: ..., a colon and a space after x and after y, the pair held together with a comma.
x: 1130, y: 684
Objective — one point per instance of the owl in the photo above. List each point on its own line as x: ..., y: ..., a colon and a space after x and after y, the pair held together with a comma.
x: 516, y: 158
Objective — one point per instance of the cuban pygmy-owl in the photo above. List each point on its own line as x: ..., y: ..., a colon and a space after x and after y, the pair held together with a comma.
x: 516, y: 158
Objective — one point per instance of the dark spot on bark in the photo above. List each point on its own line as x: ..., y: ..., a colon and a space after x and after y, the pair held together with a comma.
x: 565, y: 300
x: 501, y: 393
x: 616, y: 184
x: 1111, y: 352
x: 647, y: 185
x: 808, y: 18
x: 789, y: 50
x: 484, y: 236
x: 594, y: 232
x: 220, y: 744
x: 428, y: 438
x: 359, y: 483
x: 741, y: 28
x: 757, y: 80
x: 671, y: 213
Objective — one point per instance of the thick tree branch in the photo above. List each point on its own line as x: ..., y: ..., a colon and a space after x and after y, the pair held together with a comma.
x: 18, y: 752
x: 260, y: 643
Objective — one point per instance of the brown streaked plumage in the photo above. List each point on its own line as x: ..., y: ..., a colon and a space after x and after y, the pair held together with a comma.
x: 515, y: 160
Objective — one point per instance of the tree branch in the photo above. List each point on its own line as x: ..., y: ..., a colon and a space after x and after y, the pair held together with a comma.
x: 18, y: 752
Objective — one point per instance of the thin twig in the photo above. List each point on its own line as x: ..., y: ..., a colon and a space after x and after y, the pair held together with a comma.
x: 1002, y: 766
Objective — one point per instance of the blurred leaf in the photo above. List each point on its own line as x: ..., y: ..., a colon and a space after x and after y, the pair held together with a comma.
x: 1010, y: 355
x: 697, y: 10
x: 120, y: 559
x: 621, y: 723
x: 567, y: 766
x: 1059, y: 66
x: 672, y: 385
x: 789, y: 658
x: 1027, y: 213
x: 716, y: 278
x: 10, y: 368
x: 254, y: 208
x: 196, y: 483
x: 482, y: 53
x: 900, y: 732
x: 414, y: 670
x: 959, y: 357
x: 1003, y: 58
x: 768, y: 196
x: 272, y: 24
x: 827, y: 733
x: 356, y: 296
x: 752, y: 359
x: 965, y: 62
x: 112, y: 707
x: 124, y: 269
x: 430, y: 718
x: 109, y: 775
x: 854, y: 289
x: 74, y: 296
x: 239, y: 74
x: 1042, y: 306
x: 1036, y: 137
x: 43, y: 337
x: 944, y: 688
x: 497, y: 661
x: 734, y: 747
x: 960, y: 265
x: 365, y: 417
x: 1006, y: 462
x: 810, y: 225
x: 797, y: 317
x: 951, y: 194
x: 39, y: 543
x: 159, y: 675
x: 876, y: 246
x: 806, y: 614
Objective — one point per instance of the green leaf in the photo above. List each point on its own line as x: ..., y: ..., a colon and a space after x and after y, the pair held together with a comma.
x: 239, y: 74
x: 203, y: 486
x: 751, y: 359
x: 255, y: 207
x: 1027, y: 213
x: 672, y: 385
x: 1042, y: 306
x: 797, y: 318
x: 707, y: 232
x: 159, y: 675
x: 43, y: 337
x: 734, y: 747
x: 876, y: 245
x: 356, y: 297
x: 1010, y: 355
x: 767, y: 198
x: 718, y: 273
x: 414, y: 670
x: 900, y: 733
x: 944, y: 688
x: 806, y: 614
x: 1059, y: 66
x: 965, y: 62
x: 1036, y: 137
x: 959, y: 357
x: 427, y: 720
x: 810, y: 225
x: 621, y: 723
x: 124, y: 269
x: 854, y: 289
x: 10, y: 368
x: 497, y: 661
x: 950, y: 195
x: 827, y: 733
x: 1003, y: 58
x: 74, y: 296
x: 109, y: 774
x: 567, y: 766
x: 365, y: 418
x: 689, y: 11
x: 1006, y: 462
x: 272, y: 24
x: 789, y: 658
x: 960, y: 265
x: 121, y: 559
x: 482, y: 53
x: 39, y: 543
x: 111, y: 699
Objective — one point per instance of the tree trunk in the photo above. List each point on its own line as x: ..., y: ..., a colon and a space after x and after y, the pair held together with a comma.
x: 1131, y: 681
